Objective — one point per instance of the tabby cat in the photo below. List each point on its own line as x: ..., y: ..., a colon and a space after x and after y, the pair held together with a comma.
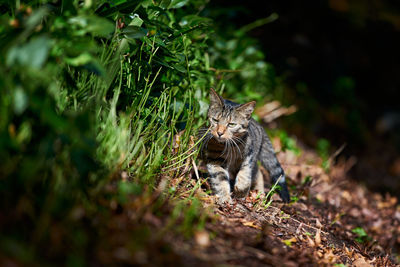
x: 231, y: 149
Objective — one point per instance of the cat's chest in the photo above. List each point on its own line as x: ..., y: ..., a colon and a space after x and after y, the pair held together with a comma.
x: 231, y: 154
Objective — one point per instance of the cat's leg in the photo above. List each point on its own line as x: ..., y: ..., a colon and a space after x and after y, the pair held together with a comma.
x: 219, y: 182
x: 243, y: 179
x: 258, y: 183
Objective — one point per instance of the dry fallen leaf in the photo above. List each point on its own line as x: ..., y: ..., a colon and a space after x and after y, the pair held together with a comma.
x: 310, y: 242
x: 251, y: 224
x: 299, y: 228
x: 348, y: 252
x: 360, y: 262
x: 329, y: 256
x: 318, y: 237
x: 202, y: 238
x: 346, y: 195
x: 318, y: 223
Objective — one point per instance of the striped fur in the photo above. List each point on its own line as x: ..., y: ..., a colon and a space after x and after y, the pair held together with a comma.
x: 232, y: 148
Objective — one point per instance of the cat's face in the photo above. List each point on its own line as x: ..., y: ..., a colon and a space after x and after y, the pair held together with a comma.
x: 228, y: 120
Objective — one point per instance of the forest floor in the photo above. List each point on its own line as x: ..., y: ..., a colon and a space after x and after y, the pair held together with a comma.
x: 331, y: 221
x: 334, y: 222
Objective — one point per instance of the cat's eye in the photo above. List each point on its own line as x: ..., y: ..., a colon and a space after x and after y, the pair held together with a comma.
x: 231, y: 124
x: 214, y: 120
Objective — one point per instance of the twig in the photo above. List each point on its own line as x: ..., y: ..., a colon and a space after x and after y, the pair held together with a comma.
x: 299, y: 222
x: 196, y: 171
x: 273, y: 115
x: 337, y: 152
x: 278, y: 210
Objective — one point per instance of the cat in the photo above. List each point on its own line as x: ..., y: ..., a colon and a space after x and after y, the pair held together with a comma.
x: 231, y: 148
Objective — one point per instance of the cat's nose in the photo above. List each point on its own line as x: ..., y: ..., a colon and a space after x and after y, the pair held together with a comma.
x: 220, y: 133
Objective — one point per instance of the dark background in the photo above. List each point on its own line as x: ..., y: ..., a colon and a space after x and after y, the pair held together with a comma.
x: 340, y: 62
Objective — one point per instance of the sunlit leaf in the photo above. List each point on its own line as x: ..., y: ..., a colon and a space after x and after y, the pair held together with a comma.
x: 93, y: 24
x: 165, y: 3
x: 136, y: 21
x: 24, y: 132
x: 134, y: 32
x: 178, y: 3
x: 290, y: 241
x: 80, y: 60
x: 193, y: 20
x: 20, y: 100
x: 36, y: 17
x: 180, y: 68
x: 32, y: 54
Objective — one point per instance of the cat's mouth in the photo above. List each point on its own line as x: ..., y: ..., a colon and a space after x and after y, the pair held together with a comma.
x: 220, y: 139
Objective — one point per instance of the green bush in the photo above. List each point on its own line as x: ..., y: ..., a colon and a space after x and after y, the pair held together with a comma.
x: 90, y: 89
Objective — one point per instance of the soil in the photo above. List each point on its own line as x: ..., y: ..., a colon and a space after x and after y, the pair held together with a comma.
x: 334, y: 221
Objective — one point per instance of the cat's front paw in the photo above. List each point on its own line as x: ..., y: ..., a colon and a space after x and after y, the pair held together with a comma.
x: 242, y: 184
x: 224, y: 200
x: 241, y: 191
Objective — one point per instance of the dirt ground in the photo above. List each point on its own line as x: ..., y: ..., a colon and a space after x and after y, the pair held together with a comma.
x: 331, y: 221
x: 334, y: 221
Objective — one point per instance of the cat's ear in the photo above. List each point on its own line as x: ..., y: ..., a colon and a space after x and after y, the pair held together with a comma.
x: 247, y: 109
x: 215, y: 99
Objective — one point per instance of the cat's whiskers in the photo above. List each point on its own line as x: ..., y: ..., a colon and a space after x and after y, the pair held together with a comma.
x: 230, y: 152
x: 236, y: 149
x: 232, y: 148
x: 226, y: 149
x: 207, y: 139
x: 237, y: 146
x: 238, y: 139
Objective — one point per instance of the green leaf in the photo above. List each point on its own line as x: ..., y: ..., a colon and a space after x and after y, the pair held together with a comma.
x: 128, y: 188
x: 134, y: 32
x: 80, y: 60
x: 32, y: 54
x: 362, y: 236
x: 323, y: 147
x: 136, y: 21
x: 193, y: 20
x: 185, y: 31
x: 88, y: 61
x: 359, y: 231
x: 178, y: 3
x: 179, y: 68
x: 93, y: 24
x: 162, y: 62
x: 24, y: 132
x: 165, y: 4
x: 20, y: 100
x: 125, y: 8
x: 36, y: 17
